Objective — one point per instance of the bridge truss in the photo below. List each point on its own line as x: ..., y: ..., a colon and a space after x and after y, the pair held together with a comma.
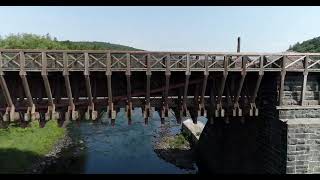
x: 27, y: 62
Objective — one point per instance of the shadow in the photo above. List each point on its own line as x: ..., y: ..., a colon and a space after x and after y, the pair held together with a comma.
x: 13, y: 161
x: 229, y: 148
x: 71, y: 162
x: 182, y: 158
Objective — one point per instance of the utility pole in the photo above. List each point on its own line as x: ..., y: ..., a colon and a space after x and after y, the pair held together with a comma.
x: 238, y: 46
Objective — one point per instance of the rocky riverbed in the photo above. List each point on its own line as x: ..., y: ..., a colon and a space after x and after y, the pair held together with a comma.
x: 175, y: 149
x: 41, y: 164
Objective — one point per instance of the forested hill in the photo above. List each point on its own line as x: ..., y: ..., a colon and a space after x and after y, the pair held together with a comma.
x: 33, y: 41
x: 312, y: 45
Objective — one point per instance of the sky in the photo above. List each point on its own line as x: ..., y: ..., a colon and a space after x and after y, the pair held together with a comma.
x: 165, y: 28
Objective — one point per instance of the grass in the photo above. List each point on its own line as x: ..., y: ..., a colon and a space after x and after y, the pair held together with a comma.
x: 20, y: 147
x: 178, y: 142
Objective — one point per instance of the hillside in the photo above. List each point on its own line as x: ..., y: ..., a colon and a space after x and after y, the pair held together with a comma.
x: 33, y: 41
x: 312, y: 45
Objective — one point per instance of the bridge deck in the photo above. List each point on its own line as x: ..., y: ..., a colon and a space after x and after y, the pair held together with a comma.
x: 235, y: 95
x: 79, y: 60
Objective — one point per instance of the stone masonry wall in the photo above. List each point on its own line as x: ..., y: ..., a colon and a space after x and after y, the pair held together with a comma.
x: 293, y: 87
x: 278, y: 141
x: 303, y: 125
x: 303, y: 151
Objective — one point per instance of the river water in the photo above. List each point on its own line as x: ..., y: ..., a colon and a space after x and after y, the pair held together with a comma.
x: 119, y: 149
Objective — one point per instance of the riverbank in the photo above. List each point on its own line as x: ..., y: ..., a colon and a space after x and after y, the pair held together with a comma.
x: 25, y: 150
x: 176, y: 150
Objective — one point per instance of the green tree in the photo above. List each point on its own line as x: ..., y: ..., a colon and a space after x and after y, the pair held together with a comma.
x: 33, y: 41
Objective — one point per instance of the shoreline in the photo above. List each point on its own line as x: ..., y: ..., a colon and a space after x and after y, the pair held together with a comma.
x: 170, y: 148
x: 51, y: 157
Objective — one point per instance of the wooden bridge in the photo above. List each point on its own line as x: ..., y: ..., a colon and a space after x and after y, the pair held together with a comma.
x: 65, y: 84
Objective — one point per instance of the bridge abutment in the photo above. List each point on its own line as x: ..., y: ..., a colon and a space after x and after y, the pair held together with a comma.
x: 302, y: 123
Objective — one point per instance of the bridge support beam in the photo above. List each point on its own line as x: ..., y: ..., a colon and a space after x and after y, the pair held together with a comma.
x: 220, y: 112
x: 111, y: 112
x: 10, y: 114
x: 254, y: 111
x: 211, y: 111
x: 31, y: 113
x: 283, y: 76
x: 165, y: 107
x: 90, y: 113
x: 129, y: 107
x: 71, y: 111
x: 147, y: 108
x: 237, y: 111
x: 202, y: 109
x: 304, y: 83
x: 184, y: 110
x: 51, y: 113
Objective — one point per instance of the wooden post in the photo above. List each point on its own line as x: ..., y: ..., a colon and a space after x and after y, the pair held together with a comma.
x: 283, y: 76
x: 238, y: 46
x: 304, y: 83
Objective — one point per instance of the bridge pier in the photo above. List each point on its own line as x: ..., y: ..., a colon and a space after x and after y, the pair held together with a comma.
x: 165, y: 107
x: 129, y: 107
x: 220, y: 112
x: 31, y: 113
x: 111, y: 112
x: 184, y: 112
x: 110, y: 109
x: 237, y: 111
x: 91, y: 113
x: 71, y: 111
x: 10, y: 113
x: 147, y: 107
x: 202, y: 109
x: 51, y: 112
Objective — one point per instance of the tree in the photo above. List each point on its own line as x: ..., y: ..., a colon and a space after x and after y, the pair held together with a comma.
x: 33, y: 41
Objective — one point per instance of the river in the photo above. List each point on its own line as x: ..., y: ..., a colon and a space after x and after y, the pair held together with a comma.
x: 119, y: 149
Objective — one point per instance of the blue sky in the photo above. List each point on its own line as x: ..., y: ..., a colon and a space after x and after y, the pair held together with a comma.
x: 262, y: 29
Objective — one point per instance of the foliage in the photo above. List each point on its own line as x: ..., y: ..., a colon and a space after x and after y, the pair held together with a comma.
x: 20, y: 147
x: 312, y: 45
x: 33, y: 41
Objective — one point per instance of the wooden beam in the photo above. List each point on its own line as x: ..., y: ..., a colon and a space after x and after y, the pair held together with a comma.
x: 24, y: 79
x: 68, y: 89
x: 5, y: 91
x: 224, y: 78
x: 238, y: 45
x: 128, y: 87
x: 87, y: 78
x: 304, y: 83
x: 243, y: 76
x: 166, y: 93
x: 109, y: 89
x: 283, y: 76
x: 185, y: 93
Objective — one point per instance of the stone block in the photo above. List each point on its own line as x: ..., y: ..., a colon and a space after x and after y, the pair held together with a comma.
x: 302, y: 147
x: 291, y: 158
x: 290, y: 170
x: 302, y: 135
